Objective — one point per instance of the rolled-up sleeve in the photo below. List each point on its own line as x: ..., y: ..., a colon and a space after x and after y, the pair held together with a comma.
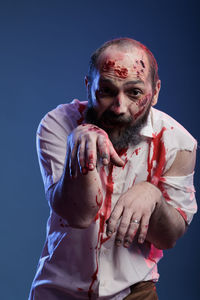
x: 179, y: 192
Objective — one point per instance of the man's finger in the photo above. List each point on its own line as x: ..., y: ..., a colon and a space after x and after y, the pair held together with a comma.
x: 90, y: 154
x: 114, y: 157
x: 114, y: 218
x: 73, y: 147
x: 122, y: 228
x: 81, y: 157
x: 143, y: 228
x: 131, y: 232
x: 103, y: 148
x: 73, y: 161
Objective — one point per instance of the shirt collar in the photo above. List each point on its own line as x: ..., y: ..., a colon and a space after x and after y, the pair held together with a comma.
x: 147, y: 130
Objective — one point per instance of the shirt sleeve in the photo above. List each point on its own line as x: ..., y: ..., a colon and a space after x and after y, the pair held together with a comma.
x: 51, y: 143
x: 179, y: 192
x: 51, y: 139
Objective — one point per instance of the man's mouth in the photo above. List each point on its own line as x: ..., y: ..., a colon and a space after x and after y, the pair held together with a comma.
x: 110, y: 120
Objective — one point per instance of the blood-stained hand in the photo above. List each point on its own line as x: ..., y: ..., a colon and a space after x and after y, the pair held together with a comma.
x: 84, y: 144
x: 132, y: 212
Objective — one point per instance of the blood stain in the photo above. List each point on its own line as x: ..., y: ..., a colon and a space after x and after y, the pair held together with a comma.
x: 107, y: 65
x: 159, y: 156
x: 139, y: 113
x: 183, y: 214
x: 121, y: 72
x: 103, y: 215
x: 143, y: 101
x: 142, y: 63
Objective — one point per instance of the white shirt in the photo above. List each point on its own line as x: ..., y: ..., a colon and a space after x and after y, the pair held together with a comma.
x: 84, y: 263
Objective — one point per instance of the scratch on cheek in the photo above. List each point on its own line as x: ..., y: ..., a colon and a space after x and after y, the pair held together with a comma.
x: 143, y: 101
x: 139, y: 113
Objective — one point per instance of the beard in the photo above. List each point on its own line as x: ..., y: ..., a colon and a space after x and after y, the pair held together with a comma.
x: 128, y: 127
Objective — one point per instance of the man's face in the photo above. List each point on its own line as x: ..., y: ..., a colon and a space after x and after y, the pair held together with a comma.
x: 121, y: 92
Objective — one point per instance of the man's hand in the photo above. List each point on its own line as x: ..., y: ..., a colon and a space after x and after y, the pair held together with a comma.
x: 135, y: 208
x: 84, y: 144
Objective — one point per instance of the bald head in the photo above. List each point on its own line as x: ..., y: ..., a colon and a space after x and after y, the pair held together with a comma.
x: 125, y: 45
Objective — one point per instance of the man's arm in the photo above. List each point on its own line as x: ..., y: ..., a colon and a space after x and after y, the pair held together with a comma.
x: 77, y: 196
x: 160, y: 223
x: 161, y: 235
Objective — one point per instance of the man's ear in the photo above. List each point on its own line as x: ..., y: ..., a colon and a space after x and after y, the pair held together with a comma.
x: 86, y: 81
x: 88, y: 87
x: 156, y: 93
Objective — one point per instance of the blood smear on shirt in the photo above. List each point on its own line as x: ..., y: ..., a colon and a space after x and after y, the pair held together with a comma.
x: 103, y: 215
x: 183, y: 214
x: 159, y: 156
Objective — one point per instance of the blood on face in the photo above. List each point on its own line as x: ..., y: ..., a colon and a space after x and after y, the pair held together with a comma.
x: 119, y: 71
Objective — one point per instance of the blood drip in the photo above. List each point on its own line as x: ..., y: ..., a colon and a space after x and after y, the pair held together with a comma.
x: 103, y: 215
x: 122, y: 152
x: 159, y: 156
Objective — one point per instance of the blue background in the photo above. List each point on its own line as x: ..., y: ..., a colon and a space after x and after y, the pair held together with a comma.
x: 44, y: 52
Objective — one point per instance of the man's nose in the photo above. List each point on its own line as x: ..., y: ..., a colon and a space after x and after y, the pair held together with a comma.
x: 119, y: 105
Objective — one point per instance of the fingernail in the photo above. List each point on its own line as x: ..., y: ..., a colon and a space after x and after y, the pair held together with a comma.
x: 91, y: 166
x: 118, y: 242
x: 109, y: 233
x: 105, y: 161
x: 126, y: 244
x: 140, y: 240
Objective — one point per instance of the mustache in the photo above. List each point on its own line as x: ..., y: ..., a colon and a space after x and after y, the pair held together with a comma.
x: 109, y: 117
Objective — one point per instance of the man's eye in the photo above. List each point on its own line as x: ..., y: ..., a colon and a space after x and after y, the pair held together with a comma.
x: 105, y: 91
x: 134, y: 92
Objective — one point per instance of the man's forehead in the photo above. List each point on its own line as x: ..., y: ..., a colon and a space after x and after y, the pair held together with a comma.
x: 125, y: 54
x: 124, y: 63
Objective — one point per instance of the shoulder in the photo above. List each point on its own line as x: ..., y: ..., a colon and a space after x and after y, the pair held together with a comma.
x: 174, y: 134
x: 65, y: 117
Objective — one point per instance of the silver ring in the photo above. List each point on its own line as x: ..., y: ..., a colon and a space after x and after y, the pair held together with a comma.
x: 135, y: 221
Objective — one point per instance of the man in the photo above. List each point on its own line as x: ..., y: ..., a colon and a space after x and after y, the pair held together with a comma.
x: 118, y: 176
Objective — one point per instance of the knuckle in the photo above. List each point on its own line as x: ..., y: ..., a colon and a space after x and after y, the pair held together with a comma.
x: 123, y: 224
x: 113, y: 218
x: 121, y: 231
